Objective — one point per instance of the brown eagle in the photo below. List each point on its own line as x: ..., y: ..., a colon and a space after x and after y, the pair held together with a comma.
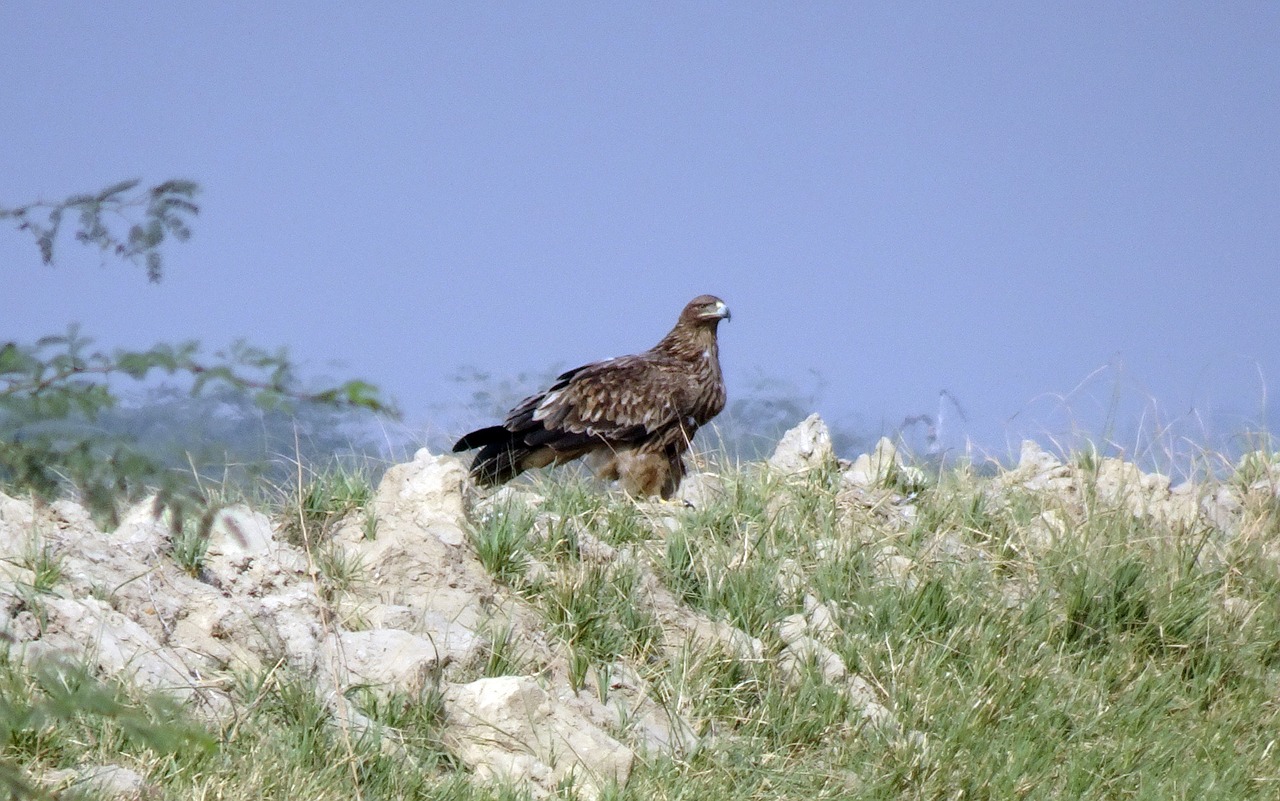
x: 635, y: 415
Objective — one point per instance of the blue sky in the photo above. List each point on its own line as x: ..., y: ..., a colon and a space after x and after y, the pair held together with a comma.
x: 995, y: 199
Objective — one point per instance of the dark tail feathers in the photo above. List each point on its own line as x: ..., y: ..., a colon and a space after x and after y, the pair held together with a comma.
x: 481, y: 437
x: 499, y: 458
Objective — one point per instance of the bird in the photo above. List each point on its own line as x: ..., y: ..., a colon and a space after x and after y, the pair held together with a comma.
x: 632, y: 416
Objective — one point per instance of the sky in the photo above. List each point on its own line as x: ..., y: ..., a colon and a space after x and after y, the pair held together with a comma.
x: 1056, y: 212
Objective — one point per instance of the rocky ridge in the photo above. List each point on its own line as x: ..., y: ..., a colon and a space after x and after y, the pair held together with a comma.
x: 426, y: 612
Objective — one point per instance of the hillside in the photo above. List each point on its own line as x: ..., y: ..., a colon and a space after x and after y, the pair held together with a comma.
x: 797, y: 628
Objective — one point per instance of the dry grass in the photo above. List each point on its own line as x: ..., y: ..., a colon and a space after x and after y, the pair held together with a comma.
x: 1119, y: 659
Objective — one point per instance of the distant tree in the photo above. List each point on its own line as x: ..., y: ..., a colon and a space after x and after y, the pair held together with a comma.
x: 107, y: 221
x: 54, y: 392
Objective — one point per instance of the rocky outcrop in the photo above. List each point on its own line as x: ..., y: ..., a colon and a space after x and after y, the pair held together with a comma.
x: 510, y: 728
x: 803, y: 448
x: 418, y: 611
x: 1115, y: 482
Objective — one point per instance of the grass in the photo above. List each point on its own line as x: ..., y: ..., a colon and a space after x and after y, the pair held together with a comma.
x: 283, y: 744
x: 1119, y: 658
x: 502, y: 657
x: 189, y: 541
x: 340, y: 571
x: 501, y: 542
x: 45, y: 567
x: 321, y: 499
x: 1101, y: 663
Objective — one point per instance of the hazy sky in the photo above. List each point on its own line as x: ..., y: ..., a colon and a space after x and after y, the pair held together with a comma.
x: 995, y: 199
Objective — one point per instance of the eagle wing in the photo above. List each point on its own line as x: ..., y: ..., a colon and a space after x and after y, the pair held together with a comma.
x: 625, y: 400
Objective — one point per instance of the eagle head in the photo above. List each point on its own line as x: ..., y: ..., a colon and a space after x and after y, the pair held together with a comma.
x: 705, y: 309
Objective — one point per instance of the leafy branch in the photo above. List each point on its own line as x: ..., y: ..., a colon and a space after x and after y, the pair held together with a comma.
x: 108, y: 221
x: 54, y: 399
x: 52, y: 392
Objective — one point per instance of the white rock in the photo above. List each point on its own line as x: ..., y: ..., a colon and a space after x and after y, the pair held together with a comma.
x: 1034, y: 460
x: 792, y: 628
x: 1222, y: 509
x: 822, y: 620
x: 88, y: 630
x: 790, y: 577
x: 428, y: 491
x: 1037, y: 470
x: 70, y: 514
x: 240, y: 531
x: 509, y: 729
x: 805, y: 447
x: 701, y: 490
x: 803, y: 651
x: 874, y: 469
x: 1043, y: 532
x: 102, y: 781
x: 654, y: 728
x: 17, y: 524
x: 243, y: 555
x: 141, y: 535
x: 387, y: 658
x: 893, y: 567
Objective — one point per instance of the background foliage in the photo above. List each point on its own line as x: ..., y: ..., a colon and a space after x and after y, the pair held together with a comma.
x: 62, y: 423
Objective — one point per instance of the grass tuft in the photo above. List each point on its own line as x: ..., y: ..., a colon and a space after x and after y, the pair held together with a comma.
x: 324, y: 498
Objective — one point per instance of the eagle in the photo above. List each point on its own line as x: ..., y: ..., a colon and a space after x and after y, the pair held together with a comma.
x: 632, y: 416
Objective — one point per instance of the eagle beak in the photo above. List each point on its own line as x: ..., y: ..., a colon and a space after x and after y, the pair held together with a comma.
x: 722, y: 311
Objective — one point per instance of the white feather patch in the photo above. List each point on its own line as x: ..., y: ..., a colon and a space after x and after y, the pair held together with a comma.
x: 550, y: 398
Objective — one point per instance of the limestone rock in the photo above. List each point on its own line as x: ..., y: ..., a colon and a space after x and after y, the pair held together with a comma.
x: 397, y: 659
x: 1038, y: 470
x: 1222, y: 509
x: 383, y: 658
x: 802, y: 652
x: 654, y: 728
x: 17, y: 523
x: 427, y: 491
x: 443, y: 591
x: 112, y: 782
x: 141, y: 534
x: 1260, y: 472
x: 892, y: 567
x: 700, y: 490
x: 88, y: 630
x: 805, y: 447
x: 508, y: 728
x: 875, y: 469
x: 243, y: 554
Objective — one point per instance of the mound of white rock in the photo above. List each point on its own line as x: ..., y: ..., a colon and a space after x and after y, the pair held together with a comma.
x: 425, y: 608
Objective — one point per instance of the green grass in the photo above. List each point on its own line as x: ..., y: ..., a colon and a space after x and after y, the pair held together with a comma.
x: 282, y: 745
x: 1116, y: 659
x: 45, y: 567
x: 501, y: 541
x: 502, y: 657
x: 340, y: 571
x: 1099, y: 664
x: 323, y: 498
x: 189, y: 540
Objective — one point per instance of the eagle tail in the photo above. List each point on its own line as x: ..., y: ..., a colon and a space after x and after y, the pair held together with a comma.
x: 481, y: 437
x: 500, y: 456
x: 505, y: 454
x: 497, y: 464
